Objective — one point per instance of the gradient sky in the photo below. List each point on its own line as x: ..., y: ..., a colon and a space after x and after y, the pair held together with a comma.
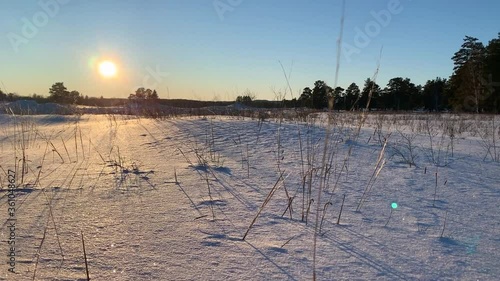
x: 199, y: 52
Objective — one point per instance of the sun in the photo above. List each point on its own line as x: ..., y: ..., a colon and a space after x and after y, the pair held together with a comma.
x: 107, y: 69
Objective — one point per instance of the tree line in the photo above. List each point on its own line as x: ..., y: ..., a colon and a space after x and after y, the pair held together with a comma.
x: 58, y: 93
x: 472, y: 87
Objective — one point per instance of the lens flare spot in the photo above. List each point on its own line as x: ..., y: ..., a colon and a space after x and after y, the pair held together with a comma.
x: 394, y: 205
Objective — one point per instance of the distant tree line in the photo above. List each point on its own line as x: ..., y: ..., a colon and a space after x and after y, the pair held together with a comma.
x: 247, y: 98
x: 399, y: 94
x: 142, y: 94
x: 58, y: 93
x: 474, y: 86
x: 8, y: 96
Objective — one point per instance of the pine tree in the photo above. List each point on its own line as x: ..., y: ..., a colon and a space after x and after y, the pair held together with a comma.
x: 352, y: 95
x: 320, y: 94
x: 492, y: 79
x: 468, y: 75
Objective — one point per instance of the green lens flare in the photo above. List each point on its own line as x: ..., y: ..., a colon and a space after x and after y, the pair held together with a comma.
x: 394, y: 205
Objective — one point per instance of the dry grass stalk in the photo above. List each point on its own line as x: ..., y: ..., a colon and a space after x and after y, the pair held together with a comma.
x: 268, y: 198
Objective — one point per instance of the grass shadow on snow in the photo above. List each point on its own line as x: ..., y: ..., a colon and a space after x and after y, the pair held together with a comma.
x: 224, y: 170
x: 205, y: 168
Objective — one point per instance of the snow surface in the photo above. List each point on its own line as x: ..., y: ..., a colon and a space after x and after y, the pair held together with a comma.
x: 112, y: 177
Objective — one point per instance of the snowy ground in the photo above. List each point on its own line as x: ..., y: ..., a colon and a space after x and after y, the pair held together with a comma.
x: 114, y: 179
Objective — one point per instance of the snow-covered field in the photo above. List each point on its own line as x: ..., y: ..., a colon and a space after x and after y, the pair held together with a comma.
x: 172, y: 199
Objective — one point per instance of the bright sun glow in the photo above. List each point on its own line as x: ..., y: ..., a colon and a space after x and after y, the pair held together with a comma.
x: 107, y: 69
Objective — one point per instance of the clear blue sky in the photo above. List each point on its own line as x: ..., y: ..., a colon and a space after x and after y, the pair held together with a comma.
x: 211, y: 53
